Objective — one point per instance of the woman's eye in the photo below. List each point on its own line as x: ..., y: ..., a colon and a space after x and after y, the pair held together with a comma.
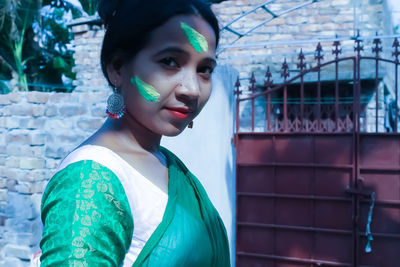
x: 206, y: 72
x: 169, y: 62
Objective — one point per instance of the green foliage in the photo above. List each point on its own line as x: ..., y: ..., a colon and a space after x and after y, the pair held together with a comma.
x: 90, y: 6
x: 53, y: 38
x: 4, y: 88
x: 16, y: 16
x: 34, y: 41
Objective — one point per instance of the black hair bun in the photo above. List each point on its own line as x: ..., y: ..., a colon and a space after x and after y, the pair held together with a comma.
x: 107, y: 9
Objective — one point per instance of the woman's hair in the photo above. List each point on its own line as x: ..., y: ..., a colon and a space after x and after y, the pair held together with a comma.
x: 129, y: 23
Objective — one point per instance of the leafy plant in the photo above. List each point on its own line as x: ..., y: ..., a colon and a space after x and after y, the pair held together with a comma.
x: 90, y: 6
x: 34, y: 41
x: 16, y: 17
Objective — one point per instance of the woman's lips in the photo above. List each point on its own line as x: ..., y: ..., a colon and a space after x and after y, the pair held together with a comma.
x: 180, y: 113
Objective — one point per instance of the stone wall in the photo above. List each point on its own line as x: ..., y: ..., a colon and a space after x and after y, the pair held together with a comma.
x: 87, y: 44
x: 36, y: 131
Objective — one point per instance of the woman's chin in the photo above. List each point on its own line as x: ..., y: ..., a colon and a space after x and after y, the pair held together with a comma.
x: 173, y: 130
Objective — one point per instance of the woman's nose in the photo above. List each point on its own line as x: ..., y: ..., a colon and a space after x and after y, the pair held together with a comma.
x: 188, y: 87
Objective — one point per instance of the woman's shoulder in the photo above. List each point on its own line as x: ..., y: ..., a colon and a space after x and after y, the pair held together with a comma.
x: 81, y: 175
x: 84, y: 156
x: 102, y: 155
x: 95, y: 160
x: 87, y: 162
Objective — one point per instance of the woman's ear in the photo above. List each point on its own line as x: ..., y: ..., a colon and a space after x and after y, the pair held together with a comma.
x: 114, y: 69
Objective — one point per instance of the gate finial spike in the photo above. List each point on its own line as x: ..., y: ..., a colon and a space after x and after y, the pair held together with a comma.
x: 301, y: 65
x: 318, y: 53
x: 285, y: 70
x: 358, y: 46
x: 252, y: 87
x: 377, y: 48
x: 237, y: 91
x: 337, y: 50
x: 268, y: 83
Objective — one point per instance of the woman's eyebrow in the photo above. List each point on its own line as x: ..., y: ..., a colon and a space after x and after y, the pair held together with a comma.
x: 172, y: 49
x: 178, y: 50
x: 211, y: 61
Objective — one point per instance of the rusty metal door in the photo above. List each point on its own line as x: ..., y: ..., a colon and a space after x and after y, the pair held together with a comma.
x: 317, y: 192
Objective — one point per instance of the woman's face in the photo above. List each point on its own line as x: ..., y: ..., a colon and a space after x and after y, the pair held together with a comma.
x: 168, y: 82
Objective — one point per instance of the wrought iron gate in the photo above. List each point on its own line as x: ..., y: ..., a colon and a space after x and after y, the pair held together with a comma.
x: 318, y: 187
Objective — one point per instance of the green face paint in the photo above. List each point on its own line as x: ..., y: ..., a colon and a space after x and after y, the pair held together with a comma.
x: 146, y: 90
x: 196, y: 39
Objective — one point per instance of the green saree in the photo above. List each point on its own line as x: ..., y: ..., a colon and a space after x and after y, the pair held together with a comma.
x: 88, y: 222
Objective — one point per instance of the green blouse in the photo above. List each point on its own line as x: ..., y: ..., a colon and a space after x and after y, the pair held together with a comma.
x: 88, y: 222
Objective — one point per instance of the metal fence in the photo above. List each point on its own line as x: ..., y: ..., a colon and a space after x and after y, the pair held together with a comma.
x: 315, y: 185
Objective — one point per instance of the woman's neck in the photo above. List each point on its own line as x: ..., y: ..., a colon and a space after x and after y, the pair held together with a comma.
x: 130, y: 135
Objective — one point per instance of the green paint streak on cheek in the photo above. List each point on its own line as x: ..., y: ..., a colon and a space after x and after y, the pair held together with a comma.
x: 196, y: 39
x: 146, y: 90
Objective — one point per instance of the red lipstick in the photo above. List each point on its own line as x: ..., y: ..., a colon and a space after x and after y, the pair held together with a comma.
x: 180, y: 113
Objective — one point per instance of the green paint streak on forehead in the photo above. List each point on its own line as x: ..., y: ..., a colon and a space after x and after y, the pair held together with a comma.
x: 196, y: 39
x: 146, y: 90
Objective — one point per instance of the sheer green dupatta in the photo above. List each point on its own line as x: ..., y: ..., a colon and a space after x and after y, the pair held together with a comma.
x: 186, y: 193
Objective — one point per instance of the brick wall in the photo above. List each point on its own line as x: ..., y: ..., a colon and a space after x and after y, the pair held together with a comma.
x: 325, y: 19
x: 36, y: 131
x: 87, y: 43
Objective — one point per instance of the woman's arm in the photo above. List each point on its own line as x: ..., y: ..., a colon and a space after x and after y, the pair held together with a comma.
x: 86, y: 216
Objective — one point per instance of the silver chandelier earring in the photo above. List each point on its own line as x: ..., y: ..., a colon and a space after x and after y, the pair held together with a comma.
x: 115, y: 105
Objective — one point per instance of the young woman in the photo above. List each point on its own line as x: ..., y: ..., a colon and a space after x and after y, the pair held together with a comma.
x: 120, y: 198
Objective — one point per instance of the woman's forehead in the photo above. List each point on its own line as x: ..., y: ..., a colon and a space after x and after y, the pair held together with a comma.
x: 174, y: 33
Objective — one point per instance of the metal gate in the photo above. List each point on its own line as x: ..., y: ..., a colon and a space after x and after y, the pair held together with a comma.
x: 315, y: 187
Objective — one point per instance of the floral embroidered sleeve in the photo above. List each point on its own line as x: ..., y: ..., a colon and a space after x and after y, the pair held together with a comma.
x: 86, y: 216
